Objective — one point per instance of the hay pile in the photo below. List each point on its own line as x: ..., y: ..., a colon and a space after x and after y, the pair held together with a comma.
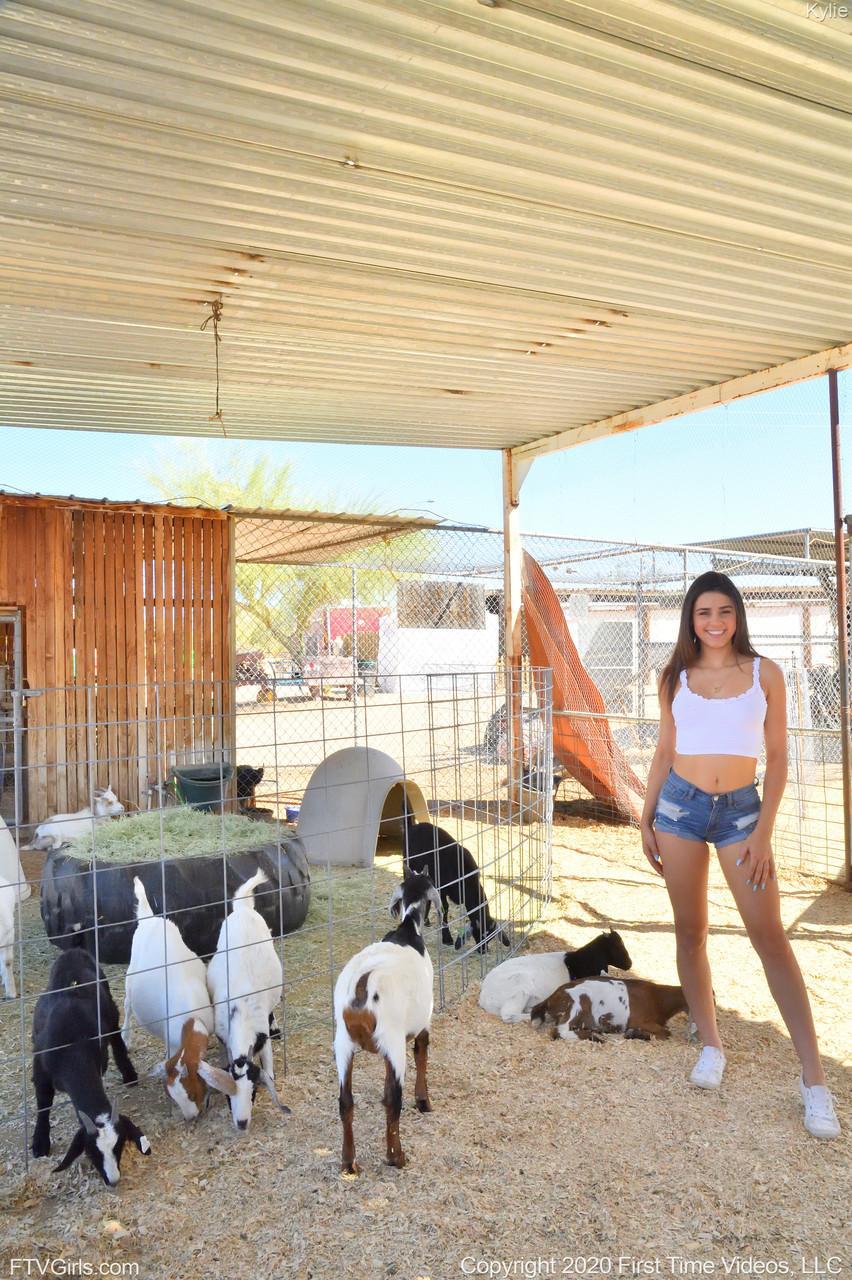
x: 537, y: 1152
x: 180, y: 832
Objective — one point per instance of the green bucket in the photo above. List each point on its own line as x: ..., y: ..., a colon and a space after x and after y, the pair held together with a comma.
x: 202, y: 785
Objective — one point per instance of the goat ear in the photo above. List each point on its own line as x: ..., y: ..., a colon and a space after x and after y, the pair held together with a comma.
x: 396, y: 900
x: 87, y: 1123
x: 217, y: 1078
x: 76, y: 1149
x: 434, y: 900
x: 136, y: 1135
x: 266, y: 1079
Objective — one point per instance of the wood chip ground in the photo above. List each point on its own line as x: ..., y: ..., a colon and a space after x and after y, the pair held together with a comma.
x: 538, y: 1155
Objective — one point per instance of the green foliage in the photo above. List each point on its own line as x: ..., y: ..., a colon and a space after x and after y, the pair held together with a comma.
x: 275, y: 604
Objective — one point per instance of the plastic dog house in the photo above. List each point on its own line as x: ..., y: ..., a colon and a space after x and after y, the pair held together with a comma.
x: 349, y: 796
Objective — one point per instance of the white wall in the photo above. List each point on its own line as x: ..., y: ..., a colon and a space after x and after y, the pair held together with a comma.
x: 421, y: 651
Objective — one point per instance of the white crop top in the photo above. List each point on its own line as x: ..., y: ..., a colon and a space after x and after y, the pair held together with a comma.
x: 719, y: 726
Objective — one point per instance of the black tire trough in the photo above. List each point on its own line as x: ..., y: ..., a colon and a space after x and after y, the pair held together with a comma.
x: 197, y: 892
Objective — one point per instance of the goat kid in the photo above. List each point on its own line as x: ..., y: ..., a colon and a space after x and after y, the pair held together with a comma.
x: 75, y: 1023
x: 165, y: 991
x: 382, y: 999
x: 591, y: 1008
x: 8, y: 907
x: 245, y: 980
x: 62, y: 827
x: 515, y: 986
x: 453, y: 870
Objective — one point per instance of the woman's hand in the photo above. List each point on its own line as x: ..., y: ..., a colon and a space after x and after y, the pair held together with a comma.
x: 757, y: 861
x: 649, y: 846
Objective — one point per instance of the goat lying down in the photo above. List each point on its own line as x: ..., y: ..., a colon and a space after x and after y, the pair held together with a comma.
x: 515, y: 986
x: 62, y: 827
x: 591, y: 1008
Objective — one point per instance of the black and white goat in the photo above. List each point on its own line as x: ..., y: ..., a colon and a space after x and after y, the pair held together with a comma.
x: 75, y: 1023
x: 432, y: 851
x: 515, y: 986
x: 245, y: 980
x: 382, y: 999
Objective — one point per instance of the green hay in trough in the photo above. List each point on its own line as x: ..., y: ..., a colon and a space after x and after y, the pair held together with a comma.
x: 181, y: 832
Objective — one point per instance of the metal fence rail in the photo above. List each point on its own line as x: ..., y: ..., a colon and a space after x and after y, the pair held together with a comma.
x: 265, y: 767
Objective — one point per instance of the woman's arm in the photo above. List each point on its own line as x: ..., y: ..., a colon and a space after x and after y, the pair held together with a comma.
x: 657, y: 774
x: 757, y: 858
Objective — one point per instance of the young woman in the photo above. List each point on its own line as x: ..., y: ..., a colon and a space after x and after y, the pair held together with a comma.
x: 720, y: 703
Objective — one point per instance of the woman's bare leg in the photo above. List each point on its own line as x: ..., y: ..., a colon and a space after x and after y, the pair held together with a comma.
x: 685, y: 867
x: 761, y: 915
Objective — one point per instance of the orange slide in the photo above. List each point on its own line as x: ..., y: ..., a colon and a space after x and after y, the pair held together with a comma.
x: 584, y: 746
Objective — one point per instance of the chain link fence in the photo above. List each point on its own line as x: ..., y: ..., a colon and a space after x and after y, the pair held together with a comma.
x: 338, y: 636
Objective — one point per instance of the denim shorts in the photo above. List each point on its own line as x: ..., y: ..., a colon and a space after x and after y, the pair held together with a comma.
x: 687, y: 811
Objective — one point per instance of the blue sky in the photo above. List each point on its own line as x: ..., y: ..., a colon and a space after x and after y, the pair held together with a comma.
x: 759, y: 465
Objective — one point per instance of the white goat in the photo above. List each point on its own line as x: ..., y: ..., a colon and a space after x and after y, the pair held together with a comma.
x: 8, y: 907
x: 62, y: 827
x: 166, y: 992
x: 383, y: 998
x: 245, y: 980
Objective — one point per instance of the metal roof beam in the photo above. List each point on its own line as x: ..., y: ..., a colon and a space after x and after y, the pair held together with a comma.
x: 693, y: 402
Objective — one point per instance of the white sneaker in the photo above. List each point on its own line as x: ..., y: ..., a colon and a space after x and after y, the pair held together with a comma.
x: 709, y: 1069
x: 820, y: 1117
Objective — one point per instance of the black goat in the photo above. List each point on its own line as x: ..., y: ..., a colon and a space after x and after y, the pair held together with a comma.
x: 75, y: 1023
x: 432, y: 851
x: 596, y: 957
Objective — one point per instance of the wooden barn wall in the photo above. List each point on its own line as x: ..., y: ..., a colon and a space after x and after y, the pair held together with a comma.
x: 127, y: 632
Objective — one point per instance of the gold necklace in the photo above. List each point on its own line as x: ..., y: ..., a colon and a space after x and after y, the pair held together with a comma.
x: 717, y: 688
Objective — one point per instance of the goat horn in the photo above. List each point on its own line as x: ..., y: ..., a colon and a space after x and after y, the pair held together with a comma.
x: 87, y: 1123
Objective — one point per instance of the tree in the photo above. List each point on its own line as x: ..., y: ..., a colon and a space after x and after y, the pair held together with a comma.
x: 275, y: 604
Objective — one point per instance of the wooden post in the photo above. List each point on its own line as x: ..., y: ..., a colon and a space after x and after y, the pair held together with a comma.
x: 514, y: 474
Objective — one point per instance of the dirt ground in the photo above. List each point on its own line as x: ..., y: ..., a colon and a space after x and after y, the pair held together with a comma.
x: 540, y: 1157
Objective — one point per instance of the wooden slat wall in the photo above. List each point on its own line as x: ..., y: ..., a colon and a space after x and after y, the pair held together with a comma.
x: 127, y: 613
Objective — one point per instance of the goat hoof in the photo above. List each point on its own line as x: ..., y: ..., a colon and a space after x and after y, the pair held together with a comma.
x: 397, y: 1161
x: 41, y: 1147
x: 353, y: 1169
x: 458, y: 943
x: 423, y: 1104
x: 285, y: 1110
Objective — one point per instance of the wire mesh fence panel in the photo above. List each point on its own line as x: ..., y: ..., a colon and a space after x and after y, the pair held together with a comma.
x: 431, y: 601
x: 318, y: 795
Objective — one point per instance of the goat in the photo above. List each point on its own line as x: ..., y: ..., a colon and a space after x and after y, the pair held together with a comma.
x: 590, y: 1008
x: 516, y: 985
x: 245, y: 980
x: 8, y: 907
x: 62, y: 827
x: 432, y: 851
x: 383, y: 998
x: 166, y: 992
x: 75, y: 1023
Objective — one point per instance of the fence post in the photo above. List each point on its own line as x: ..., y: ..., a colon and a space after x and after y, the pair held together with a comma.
x: 842, y: 619
x: 514, y: 474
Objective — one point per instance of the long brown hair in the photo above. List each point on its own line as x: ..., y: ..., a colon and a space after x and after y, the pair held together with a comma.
x: 688, y: 646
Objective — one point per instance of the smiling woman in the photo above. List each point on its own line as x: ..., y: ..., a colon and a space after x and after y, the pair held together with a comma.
x: 721, y: 705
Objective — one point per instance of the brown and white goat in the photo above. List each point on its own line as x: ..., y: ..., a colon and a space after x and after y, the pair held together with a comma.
x: 590, y: 1008
x: 166, y: 992
x: 382, y: 999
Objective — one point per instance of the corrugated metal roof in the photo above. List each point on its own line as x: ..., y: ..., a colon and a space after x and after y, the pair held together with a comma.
x: 429, y: 221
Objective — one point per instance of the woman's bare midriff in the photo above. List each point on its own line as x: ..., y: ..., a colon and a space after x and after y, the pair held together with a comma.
x: 716, y: 773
